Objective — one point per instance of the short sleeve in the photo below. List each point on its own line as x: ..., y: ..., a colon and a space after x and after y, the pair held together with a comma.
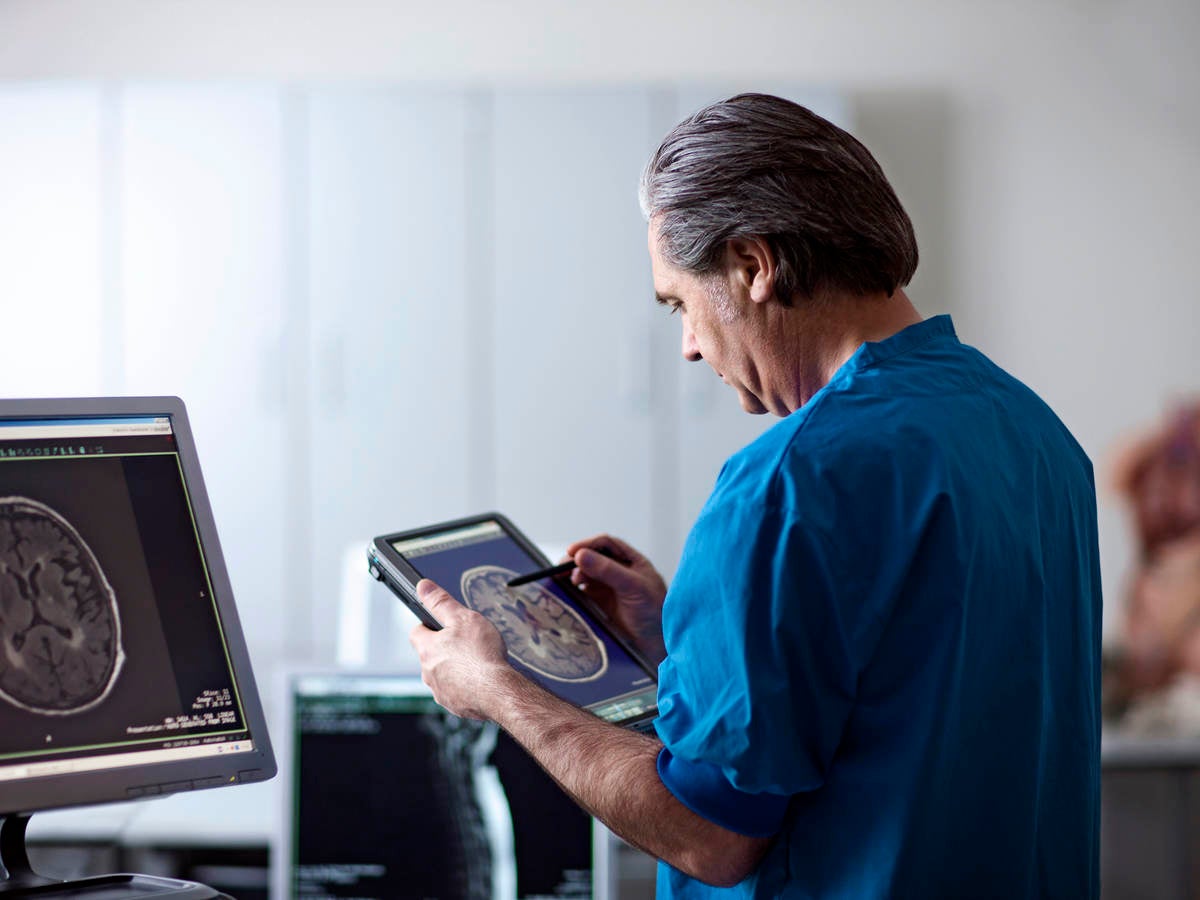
x: 704, y: 789
x: 758, y: 681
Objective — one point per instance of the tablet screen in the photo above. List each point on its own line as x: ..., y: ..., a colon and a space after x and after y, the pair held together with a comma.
x: 549, y: 636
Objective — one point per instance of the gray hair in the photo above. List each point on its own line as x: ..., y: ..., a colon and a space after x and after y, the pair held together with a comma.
x: 760, y: 166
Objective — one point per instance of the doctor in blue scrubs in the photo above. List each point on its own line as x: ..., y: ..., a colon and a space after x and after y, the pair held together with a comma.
x: 879, y: 658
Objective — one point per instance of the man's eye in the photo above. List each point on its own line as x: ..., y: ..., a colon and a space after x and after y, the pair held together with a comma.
x: 676, y: 307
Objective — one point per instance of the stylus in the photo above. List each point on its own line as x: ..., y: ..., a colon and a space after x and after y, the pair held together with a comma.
x: 560, y: 569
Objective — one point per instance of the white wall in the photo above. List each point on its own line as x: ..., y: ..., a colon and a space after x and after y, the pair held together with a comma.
x: 1048, y: 151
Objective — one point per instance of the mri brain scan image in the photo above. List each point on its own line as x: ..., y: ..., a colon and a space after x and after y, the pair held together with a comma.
x: 60, y: 635
x: 540, y: 631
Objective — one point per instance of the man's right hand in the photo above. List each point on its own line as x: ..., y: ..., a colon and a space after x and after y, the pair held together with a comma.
x: 626, y: 586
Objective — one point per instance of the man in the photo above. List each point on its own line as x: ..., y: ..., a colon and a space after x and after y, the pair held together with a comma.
x: 879, y: 670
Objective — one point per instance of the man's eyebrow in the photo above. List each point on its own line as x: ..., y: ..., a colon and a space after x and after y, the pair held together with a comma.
x: 663, y: 300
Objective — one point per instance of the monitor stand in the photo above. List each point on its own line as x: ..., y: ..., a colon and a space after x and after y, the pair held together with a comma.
x: 22, y: 881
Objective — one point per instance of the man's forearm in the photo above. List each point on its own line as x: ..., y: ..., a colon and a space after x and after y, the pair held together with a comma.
x: 613, y: 774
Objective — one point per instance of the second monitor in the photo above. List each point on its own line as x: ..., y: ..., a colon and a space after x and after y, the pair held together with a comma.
x: 390, y: 796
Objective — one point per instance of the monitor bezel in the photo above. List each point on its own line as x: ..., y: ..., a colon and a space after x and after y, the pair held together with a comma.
x: 172, y: 776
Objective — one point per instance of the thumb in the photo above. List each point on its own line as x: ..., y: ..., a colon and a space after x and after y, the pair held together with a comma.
x: 437, y: 600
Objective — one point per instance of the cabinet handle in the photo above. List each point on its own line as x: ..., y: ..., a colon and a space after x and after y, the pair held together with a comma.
x: 637, y: 371
x: 271, y: 377
x: 332, y: 374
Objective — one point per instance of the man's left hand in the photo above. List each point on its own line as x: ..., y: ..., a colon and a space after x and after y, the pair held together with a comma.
x: 464, y: 661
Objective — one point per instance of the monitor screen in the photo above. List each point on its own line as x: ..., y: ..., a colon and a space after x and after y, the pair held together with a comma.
x: 123, y: 671
x: 390, y: 796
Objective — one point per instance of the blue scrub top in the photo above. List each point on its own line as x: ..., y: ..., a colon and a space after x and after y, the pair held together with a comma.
x: 883, y: 640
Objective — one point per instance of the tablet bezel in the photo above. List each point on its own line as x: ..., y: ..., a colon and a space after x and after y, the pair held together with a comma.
x: 394, y: 570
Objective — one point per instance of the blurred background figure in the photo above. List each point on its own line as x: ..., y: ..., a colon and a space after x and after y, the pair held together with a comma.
x: 1154, y: 682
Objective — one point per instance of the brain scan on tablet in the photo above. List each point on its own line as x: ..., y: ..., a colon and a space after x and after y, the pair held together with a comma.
x: 540, y: 631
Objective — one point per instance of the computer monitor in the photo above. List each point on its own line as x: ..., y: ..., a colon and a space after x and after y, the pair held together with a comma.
x: 123, y: 670
x: 390, y: 796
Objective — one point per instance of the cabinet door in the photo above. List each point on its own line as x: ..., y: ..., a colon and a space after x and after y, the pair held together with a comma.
x: 202, y: 274
x: 710, y: 422
x: 573, y: 394
x: 394, y: 406
x: 50, y: 265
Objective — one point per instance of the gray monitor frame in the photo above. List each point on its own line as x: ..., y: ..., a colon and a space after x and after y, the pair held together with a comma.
x: 171, y: 776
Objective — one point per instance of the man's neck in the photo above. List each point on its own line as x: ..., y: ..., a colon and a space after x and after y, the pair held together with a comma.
x: 826, y: 333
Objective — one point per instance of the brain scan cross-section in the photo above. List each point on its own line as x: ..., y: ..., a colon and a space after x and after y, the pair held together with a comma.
x: 60, y: 635
x: 540, y: 631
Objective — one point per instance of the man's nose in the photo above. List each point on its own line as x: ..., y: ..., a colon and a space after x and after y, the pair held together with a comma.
x: 690, y: 349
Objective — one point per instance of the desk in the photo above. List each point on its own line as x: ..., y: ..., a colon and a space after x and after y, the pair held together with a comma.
x: 88, y: 824
x: 1119, y: 751
x: 1150, y: 818
x: 155, y: 835
x: 241, y: 816
x: 1150, y: 826
x: 220, y: 837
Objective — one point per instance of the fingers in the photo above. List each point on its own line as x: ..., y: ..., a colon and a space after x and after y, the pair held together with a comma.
x: 615, y: 545
x: 598, y: 567
x: 416, y: 636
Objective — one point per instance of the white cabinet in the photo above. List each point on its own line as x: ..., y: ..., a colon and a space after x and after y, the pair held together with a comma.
x: 572, y: 304
x: 383, y: 306
x: 393, y: 413
x: 51, y: 276
x: 201, y: 273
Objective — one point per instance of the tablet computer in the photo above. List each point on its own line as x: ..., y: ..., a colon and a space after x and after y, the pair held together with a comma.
x: 555, y: 635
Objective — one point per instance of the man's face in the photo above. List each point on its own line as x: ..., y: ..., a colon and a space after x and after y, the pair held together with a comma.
x: 719, y: 324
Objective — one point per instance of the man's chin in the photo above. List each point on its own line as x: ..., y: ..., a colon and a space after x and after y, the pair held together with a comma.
x: 752, y: 404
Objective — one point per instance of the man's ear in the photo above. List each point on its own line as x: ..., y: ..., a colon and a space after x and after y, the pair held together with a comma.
x: 750, y: 265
